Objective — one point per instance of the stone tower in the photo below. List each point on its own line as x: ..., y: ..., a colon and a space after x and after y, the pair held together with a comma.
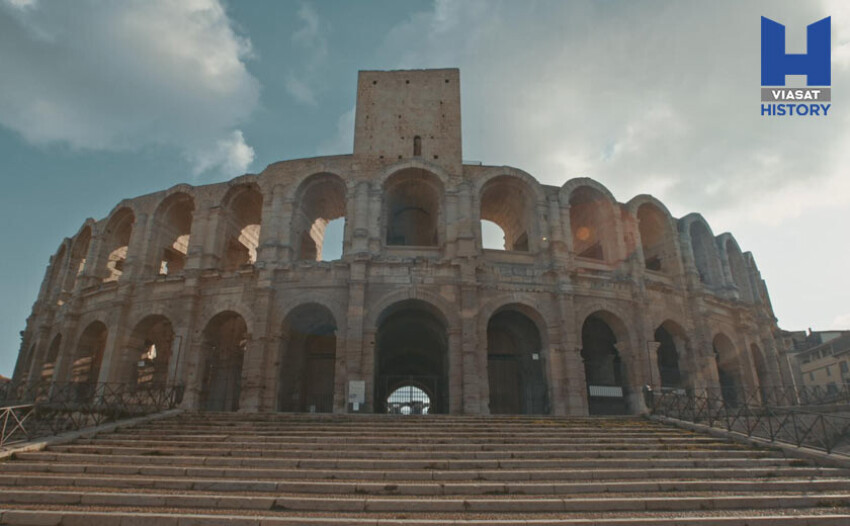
x: 413, y: 113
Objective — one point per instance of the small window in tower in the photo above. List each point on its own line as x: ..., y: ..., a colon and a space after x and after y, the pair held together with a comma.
x: 417, y: 146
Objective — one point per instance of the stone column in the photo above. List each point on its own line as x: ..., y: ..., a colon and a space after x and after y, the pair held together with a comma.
x: 466, y: 226
x: 634, y: 380
x: 474, y: 377
x: 574, y: 383
x: 456, y: 373
x: 557, y: 243
x: 257, y: 354
x: 358, y: 339
x: 274, y: 230
x: 376, y: 233
x: 211, y: 241
x: 359, y: 218
x: 451, y: 222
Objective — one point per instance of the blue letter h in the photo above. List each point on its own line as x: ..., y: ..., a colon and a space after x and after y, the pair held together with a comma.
x: 775, y: 63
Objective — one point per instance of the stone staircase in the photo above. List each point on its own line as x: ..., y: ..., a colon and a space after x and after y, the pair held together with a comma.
x: 281, y: 469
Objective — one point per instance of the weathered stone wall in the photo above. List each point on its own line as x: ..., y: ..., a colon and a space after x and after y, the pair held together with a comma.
x: 245, y: 283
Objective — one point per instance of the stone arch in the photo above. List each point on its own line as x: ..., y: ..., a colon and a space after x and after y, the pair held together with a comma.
x: 172, y: 228
x: 605, y: 373
x: 148, y: 351
x: 307, y: 359
x: 88, y: 356
x: 412, y: 348
x: 319, y: 199
x: 728, y: 369
x: 573, y: 184
x: 737, y: 267
x: 510, y: 203
x: 241, y: 220
x: 594, y: 217
x: 210, y: 311
x: 414, y: 164
x: 527, y: 304
x: 445, y: 310
x: 48, y: 365
x: 516, y: 367
x: 115, y: 241
x: 670, y: 359
x: 413, y: 208
x: 223, y: 347
x: 77, y: 261
x: 531, y: 184
x: 704, y: 249
x: 657, y: 233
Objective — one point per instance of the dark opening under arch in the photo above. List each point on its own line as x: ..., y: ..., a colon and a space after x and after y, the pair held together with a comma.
x: 412, y: 349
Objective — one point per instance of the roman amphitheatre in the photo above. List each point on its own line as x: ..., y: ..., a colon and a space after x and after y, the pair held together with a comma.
x: 400, y: 337
x: 222, y: 288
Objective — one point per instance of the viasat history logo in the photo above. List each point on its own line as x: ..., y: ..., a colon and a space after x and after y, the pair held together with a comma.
x: 779, y: 99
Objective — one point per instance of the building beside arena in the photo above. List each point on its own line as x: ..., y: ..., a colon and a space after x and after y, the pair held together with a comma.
x: 223, y: 289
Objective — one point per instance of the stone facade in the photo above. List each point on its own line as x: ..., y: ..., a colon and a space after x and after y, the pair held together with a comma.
x: 222, y: 289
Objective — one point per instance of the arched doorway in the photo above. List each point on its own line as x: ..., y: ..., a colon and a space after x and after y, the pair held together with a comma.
x: 412, y: 350
x: 85, y: 370
x: 308, y: 358
x: 412, y: 209
x: 224, y: 342
x: 603, y: 369
x: 672, y: 343
x: 321, y: 201
x: 149, y: 353
x: 728, y: 369
x: 515, y: 368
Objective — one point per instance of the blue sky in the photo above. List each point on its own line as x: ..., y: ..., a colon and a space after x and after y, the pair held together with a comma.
x: 100, y: 101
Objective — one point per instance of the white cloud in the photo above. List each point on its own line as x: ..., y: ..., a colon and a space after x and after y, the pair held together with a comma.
x: 342, y: 141
x: 659, y: 97
x: 629, y: 94
x: 21, y: 4
x: 231, y: 154
x: 310, y: 37
x: 124, y: 75
x: 299, y: 89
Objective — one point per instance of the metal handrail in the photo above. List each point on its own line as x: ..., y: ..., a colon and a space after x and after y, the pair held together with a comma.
x: 43, y: 409
x: 824, y: 431
x: 13, y: 418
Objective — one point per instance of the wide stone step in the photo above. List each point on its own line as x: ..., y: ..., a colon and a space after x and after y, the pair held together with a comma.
x: 271, y: 442
x: 434, y: 426
x: 201, y: 457
x: 366, y: 469
x: 737, y: 486
x: 410, y: 452
x: 388, y: 438
x: 425, y: 430
x: 469, y: 504
x: 199, y: 517
x: 201, y: 471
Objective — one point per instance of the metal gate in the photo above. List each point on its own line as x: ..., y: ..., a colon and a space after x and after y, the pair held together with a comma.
x: 410, y: 395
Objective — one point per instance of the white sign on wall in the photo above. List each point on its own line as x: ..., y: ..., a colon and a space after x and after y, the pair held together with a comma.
x: 357, y: 392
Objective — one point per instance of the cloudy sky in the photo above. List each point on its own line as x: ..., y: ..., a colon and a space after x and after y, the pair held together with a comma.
x: 105, y: 100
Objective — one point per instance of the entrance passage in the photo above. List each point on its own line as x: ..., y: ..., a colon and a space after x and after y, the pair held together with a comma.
x: 412, y: 349
x: 225, y: 340
x: 602, y: 368
x: 408, y: 400
x: 309, y: 355
x: 515, y: 366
